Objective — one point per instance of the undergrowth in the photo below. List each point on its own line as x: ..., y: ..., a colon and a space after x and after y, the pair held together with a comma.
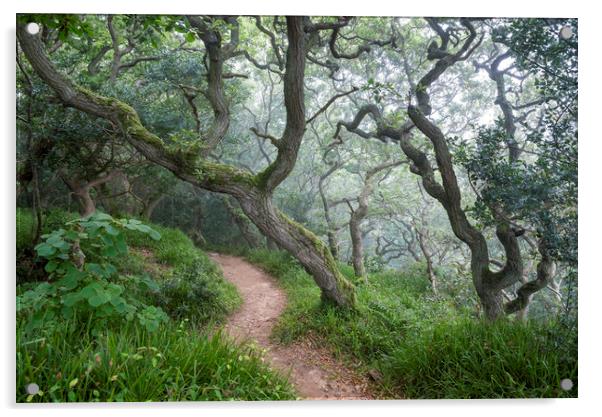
x: 423, y: 346
x: 74, y: 360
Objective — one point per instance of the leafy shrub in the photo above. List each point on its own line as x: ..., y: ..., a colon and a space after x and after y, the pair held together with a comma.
x: 29, y: 268
x: 86, y: 289
x: 375, y: 264
x: 78, y: 359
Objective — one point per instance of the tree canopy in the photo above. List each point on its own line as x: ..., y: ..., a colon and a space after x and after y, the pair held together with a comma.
x: 310, y: 124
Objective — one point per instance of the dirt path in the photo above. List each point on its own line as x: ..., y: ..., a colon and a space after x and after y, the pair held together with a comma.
x: 314, y: 372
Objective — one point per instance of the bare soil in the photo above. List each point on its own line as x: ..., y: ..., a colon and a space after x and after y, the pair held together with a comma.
x: 312, y: 369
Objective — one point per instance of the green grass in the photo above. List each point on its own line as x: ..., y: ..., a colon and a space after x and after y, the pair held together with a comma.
x: 128, y: 363
x: 423, y: 346
x: 173, y: 249
x: 473, y: 359
x: 191, y: 285
x: 174, y: 363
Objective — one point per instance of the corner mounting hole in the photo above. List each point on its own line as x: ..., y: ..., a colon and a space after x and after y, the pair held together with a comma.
x: 566, y: 384
x: 32, y: 389
x: 566, y: 32
x: 32, y: 28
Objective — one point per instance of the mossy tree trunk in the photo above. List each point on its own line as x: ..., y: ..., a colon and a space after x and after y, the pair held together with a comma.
x: 305, y: 246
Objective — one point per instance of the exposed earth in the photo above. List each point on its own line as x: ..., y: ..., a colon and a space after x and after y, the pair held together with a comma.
x: 312, y: 369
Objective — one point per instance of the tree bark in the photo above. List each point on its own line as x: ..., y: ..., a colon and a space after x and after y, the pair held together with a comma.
x: 488, y: 284
x: 271, y: 244
x: 243, y: 224
x: 429, y: 260
x: 311, y: 252
x: 333, y: 244
x: 81, y: 191
x: 151, y: 205
x: 358, y: 215
x: 357, y: 244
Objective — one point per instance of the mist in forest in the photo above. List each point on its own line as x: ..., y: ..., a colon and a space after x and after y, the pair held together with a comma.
x: 405, y: 189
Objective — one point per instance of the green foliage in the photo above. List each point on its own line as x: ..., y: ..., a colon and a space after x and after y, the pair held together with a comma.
x: 196, y: 291
x: 24, y: 231
x: 473, y: 359
x: 63, y: 24
x: 56, y: 218
x: 380, y: 91
x: 75, y: 359
x: 424, y: 346
x: 128, y: 363
x: 87, y: 289
x: 53, y: 219
x: 539, y: 48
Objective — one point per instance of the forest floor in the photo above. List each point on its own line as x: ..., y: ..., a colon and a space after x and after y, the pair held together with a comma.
x: 311, y: 368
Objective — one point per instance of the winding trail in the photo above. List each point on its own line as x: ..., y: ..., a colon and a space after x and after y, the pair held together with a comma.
x: 312, y: 369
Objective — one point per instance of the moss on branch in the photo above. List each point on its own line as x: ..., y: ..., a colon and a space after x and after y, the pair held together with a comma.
x: 346, y: 288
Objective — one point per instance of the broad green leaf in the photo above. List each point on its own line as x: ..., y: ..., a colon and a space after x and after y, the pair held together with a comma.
x: 154, y: 234
x: 51, y: 266
x: 111, y: 230
x: 71, y: 299
x: 45, y: 250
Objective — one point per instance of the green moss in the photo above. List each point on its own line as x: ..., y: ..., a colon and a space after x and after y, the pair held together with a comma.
x: 344, y: 286
x: 130, y: 121
x: 261, y: 178
x: 188, y: 157
x: 223, y: 174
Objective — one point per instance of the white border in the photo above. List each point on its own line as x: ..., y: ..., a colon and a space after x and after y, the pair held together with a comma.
x: 589, y: 200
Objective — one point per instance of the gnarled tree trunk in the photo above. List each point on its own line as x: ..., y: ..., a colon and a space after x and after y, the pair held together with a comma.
x: 243, y: 223
x: 254, y: 192
x: 311, y: 252
x: 358, y: 215
x: 488, y: 284
x: 81, y: 190
x: 333, y: 243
